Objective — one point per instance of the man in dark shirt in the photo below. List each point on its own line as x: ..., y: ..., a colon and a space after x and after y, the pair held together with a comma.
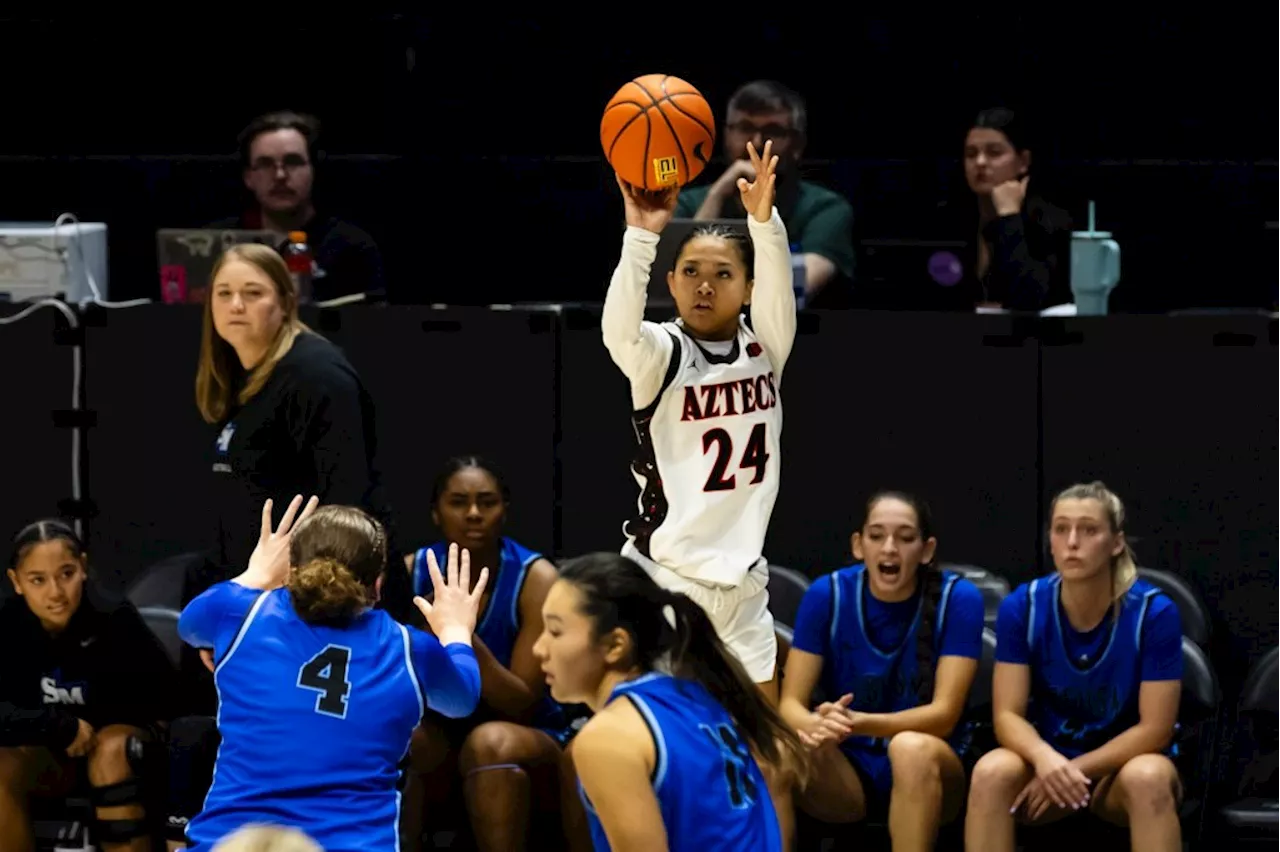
x: 819, y: 221
x: 278, y: 156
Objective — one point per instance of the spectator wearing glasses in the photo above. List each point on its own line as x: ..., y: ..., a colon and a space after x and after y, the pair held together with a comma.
x: 278, y: 154
x: 819, y: 221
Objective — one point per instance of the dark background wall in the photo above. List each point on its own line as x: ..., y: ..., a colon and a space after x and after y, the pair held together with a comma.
x: 987, y: 420
x: 459, y: 137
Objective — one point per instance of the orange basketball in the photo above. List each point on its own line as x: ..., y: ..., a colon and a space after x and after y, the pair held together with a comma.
x: 657, y: 132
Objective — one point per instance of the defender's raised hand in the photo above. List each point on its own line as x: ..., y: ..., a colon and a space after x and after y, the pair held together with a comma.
x: 452, y: 615
x: 269, y: 563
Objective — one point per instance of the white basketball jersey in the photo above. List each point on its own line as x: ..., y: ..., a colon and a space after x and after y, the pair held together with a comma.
x: 708, y: 461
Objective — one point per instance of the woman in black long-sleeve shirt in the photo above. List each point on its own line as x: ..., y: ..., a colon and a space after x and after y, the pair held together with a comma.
x: 292, y: 414
x: 80, y: 676
x: 1020, y: 258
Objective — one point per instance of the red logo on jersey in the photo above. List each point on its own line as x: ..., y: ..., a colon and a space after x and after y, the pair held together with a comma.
x: 753, y: 349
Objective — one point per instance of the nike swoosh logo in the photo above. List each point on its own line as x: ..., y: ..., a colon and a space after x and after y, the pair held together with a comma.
x: 699, y: 154
x: 85, y: 643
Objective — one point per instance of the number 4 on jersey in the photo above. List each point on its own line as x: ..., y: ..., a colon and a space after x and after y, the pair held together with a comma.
x: 326, y: 673
x: 754, y: 456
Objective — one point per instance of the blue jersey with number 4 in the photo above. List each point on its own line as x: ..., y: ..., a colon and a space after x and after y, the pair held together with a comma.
x: 315, y: 720
x: 711, y: 792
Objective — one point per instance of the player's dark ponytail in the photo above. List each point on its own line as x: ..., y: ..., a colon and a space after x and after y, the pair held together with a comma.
x: 698, y: 654
x: 929, y: 580
x: 671, y: 632
x: 337, y: 555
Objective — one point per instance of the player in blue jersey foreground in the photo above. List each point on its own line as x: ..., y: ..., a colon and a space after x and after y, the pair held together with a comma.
x: 666, y: 761
x: 894, y: 642
x: 318, y: 692
x: 1086, y: 690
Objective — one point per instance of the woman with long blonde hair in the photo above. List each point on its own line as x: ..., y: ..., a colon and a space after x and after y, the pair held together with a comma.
x: 291, y: 413
x: 1086, y: 689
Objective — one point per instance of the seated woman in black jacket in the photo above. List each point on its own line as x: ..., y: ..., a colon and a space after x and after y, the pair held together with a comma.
x: 1018, y: 245
x: 80, y: 677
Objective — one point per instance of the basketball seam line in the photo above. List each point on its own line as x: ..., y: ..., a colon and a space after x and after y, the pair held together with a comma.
x: 707, y: 130
x: 647, y: 92
x: 648, y: 132
x: 622, y: 130
x: 666, y: 96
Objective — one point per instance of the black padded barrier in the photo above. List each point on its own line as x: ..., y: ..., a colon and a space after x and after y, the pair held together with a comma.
x: 598, y: 491
x: 1178, y: 415
x: 37, y: 365
x: 936, y: 405
x: 458, y: 382
x: 984, y: 416
x: 149, y: 451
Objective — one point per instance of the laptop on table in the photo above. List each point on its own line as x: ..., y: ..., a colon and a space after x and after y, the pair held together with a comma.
x: 187, y: 255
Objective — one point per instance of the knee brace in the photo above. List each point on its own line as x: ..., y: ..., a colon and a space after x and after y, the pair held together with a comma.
x: 147, y: 756
x: 121, y: 794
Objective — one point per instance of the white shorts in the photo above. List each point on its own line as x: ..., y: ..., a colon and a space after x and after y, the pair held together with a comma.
x: 740, y: 614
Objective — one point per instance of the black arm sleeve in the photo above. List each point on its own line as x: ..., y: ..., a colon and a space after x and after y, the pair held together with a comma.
x: 1030, y: 258
x: 1018, y: 281
x: 356, y: 268
x: 365, y: 270
x: 327, y: 423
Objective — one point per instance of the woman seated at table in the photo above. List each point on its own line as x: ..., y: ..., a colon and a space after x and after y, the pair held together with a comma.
x: 1017, y: 245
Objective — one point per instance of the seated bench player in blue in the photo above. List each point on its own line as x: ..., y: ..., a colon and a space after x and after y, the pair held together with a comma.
x: 509, y: 754
x: 1087, y: 686
x: 894, y: 642
x: 318, y: 691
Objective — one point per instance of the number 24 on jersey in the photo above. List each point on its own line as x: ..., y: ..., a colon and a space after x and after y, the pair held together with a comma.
x: 755, y: 457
